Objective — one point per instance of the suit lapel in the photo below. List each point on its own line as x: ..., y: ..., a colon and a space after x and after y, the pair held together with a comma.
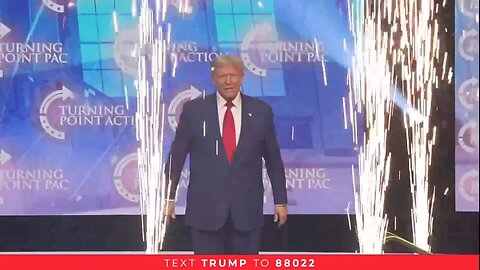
x: 214, y: 127
x: 246, y: 125
x: 212, y: 117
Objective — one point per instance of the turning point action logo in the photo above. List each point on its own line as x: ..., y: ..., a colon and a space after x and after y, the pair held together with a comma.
x: 59, y: 111
x: 258, y: 51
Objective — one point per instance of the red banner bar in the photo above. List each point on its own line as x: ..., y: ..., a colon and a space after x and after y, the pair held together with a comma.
x: 297, y: 261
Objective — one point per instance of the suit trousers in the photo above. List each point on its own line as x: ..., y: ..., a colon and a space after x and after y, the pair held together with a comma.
x: 227, y: 240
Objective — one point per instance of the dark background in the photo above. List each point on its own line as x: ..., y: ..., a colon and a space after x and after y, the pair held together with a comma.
x: 453, y: 232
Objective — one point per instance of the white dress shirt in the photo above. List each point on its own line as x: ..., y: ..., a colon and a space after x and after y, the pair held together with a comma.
x: 236, y: 111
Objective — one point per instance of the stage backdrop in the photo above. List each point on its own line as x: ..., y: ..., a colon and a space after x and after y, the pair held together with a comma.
x: 466, y: 105
x: 67, y: 97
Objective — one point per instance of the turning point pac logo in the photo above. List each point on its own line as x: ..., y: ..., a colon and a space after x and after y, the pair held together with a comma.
x: 14, y: 52
x: 260, y: 52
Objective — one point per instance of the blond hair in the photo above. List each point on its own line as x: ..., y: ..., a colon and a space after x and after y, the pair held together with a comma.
x: 227, y: 60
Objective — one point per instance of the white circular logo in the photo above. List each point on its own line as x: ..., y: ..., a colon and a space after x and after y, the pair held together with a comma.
x: 126, y: 51
x: 180, y: 99
x: 469, y: 44
x: 468, y: 136
x: 247, y: 45
x: 468, y: 93
x: 59, y: 95
x: 469, y: 8
x: 125, y: 178
x: 468, y: 185
x: 54, y: 6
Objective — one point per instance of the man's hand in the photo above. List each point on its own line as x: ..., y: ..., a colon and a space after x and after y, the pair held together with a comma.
x: 280, y: 214
x: 169, y: 210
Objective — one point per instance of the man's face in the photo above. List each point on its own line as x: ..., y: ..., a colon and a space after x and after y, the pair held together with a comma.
x: 228, y: 81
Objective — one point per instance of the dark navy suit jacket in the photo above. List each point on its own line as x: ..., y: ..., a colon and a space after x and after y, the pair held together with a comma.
x: 217, y: 187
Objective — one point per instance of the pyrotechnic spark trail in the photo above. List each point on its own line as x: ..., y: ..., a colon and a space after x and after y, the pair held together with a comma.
x: 419, y: 56
x: 371, y: 101
x: 150, y: 119
x: 154, y: 41
x: 115, y: 21
x: 380, y: 59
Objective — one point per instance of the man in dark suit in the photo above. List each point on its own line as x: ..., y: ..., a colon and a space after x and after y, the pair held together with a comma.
x: 226, y: 134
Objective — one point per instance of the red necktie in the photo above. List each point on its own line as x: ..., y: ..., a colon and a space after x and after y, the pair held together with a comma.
x: 228, y: 134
